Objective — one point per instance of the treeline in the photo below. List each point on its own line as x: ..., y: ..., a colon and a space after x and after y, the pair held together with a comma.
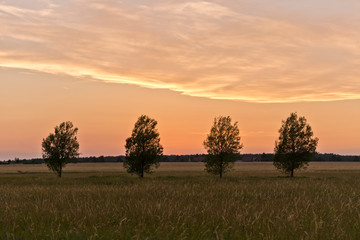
x: 318, y: 157
x: 91, y: 159
x: 264, y: 157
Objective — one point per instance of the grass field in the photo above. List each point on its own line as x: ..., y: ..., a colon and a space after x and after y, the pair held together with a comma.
x: 180, y: 201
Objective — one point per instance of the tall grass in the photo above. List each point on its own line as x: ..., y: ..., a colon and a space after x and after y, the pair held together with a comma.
x: 176, y: 203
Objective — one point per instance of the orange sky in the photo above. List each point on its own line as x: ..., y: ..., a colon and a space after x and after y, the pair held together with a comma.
x: 101, y: 64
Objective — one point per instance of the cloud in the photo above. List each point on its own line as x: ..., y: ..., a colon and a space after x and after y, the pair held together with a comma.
x: 256, y: 51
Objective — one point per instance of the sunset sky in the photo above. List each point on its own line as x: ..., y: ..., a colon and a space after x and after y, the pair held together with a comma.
x: 101, y: 64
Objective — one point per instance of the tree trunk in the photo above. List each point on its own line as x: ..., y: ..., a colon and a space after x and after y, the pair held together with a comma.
x: 292, y: 172
x: 142, y: 170
x: 221, y: 167
x: 60, y: 170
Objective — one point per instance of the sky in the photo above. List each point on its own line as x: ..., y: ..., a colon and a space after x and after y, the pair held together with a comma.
x: 102, y: 64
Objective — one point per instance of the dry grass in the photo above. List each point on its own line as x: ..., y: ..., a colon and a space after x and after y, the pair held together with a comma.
x: 251, y: 167
x: 180, y: 201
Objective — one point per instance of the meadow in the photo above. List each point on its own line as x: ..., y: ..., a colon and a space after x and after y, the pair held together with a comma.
x: 180, y: 201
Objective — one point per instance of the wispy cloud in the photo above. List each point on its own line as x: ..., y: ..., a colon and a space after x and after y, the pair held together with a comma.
x: 258, y: 51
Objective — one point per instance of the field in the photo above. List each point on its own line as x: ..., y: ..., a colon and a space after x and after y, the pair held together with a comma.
x: 180, y: 201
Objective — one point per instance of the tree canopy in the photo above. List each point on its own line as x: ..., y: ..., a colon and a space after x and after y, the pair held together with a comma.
x: 296, y: 145
x: 143, y: 148
x: 60, y: 147
x: 223, y: 146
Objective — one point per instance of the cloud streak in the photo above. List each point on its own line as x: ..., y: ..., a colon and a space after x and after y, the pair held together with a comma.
x: 256, y: 51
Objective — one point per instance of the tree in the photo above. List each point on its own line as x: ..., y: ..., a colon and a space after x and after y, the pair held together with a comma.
x: 143, y: 149
x: 61, y: 147
x: 296, y: 145
x: 223, y: 146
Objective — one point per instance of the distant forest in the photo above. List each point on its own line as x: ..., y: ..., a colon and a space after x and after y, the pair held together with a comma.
x: 264, y: 157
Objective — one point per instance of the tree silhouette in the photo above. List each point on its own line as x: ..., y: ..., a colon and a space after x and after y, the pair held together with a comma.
x: 143, y: 149
x: 296, y: 145
x: 223, y: 146
x: 61, y: 147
